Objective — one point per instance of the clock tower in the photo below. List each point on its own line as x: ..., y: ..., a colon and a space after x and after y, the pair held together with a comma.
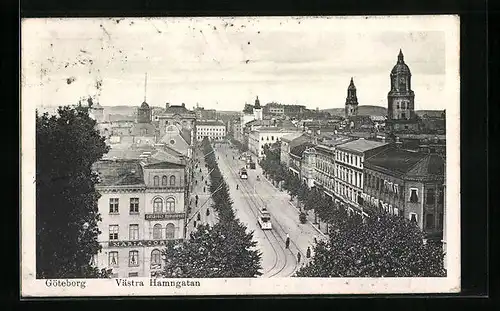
x: 401, y: 98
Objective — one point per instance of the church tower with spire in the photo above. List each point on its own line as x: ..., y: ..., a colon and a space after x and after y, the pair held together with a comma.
x: 257, y: 109
x: 351, y: 102
x: 401, y: 98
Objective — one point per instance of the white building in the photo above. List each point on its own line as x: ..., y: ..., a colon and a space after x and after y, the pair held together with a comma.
x: 266, y: 135
x: 142, y: 206
x: 214, y: 130
x: 349, y: 159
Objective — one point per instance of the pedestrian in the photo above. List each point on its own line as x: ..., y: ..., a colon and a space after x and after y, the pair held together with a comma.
x: 201, y: 178
x: 287, y: 242
x: 298, y: 257
x: 198, y: 217
x: 237, y: 187
x: 203, y: 189
x: 208, y: 212
x: 196, y: 182
x: 315, y: 239
x: 194, y: 224
x: 308, y: 252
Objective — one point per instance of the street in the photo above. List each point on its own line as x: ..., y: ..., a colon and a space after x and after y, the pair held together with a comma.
x: 253, y: 194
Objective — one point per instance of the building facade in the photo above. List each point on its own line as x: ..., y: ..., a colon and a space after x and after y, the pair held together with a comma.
x: 408, y: 184
x: 176, y: 115
x: 308, y: 166
x: 289, y: 141
x: 324, y: 178
x: 213, y: 130
x: 349, y: 164
x: 259, y: 137
x: 351, y: 101
x: 143, y: 209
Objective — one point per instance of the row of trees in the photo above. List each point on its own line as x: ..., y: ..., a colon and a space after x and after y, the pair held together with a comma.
x: 67, y: 217
x: 380, y: 246
x: 223, y: 250
x: 241, y: 147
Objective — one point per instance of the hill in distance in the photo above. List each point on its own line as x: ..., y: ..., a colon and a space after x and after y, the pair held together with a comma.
x: 363, y: 110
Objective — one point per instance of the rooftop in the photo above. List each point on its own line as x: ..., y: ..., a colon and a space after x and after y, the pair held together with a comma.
x: 164, y: 165
x: 276, y: 129
x: 119, y: 172
x: 180, y: 109
x: 361, y: 145
x: 299, y: 150
x: 408, y: 162
x: 211, y: 123
x: 292, y: 136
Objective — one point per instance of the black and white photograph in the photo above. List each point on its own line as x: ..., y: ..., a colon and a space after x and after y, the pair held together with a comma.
x: 240, y: 155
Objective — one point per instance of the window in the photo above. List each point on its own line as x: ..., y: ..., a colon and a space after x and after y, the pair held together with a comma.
x: 157, y: 205
x: 156, y: 181
x: 157, y: 232
x: 413, y: 217
x: 429, y: 221
x: 155, y: 257
x: 397, y: 105
x: 133, y: 274
x: 164, y: 181
x: 133, y: 232
x: 113, y: 259
x: 413, y: 196
x: 113, y: 205
x: 430, y: 196
x: 133, y: 258
x: 272, y: 137
x: 134, y: 205
x: 172, y: 180
x: 170, y: 231
x: 113, y: 232
x: 170, y: 204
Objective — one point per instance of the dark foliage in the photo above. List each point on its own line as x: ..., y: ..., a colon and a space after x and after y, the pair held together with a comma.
x: 222, y: 251
x: 67, y: 215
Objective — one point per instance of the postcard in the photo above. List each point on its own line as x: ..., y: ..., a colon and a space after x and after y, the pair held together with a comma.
x: 179, y: 156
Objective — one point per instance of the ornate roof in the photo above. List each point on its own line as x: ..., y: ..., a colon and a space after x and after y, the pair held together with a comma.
x: 400, y: 67
x: 145, y: 105
x: 257, y: 103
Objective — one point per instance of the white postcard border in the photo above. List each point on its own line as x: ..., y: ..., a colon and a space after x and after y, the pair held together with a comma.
x: 30, y: 287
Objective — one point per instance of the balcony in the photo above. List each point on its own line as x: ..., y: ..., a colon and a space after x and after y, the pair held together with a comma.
x: 164, y: 216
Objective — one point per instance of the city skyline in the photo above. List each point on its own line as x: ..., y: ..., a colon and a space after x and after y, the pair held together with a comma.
x: 221, y: 63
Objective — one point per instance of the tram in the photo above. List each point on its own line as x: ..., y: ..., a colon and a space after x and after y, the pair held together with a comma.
x: 264, y: 220
x: 243, y: 173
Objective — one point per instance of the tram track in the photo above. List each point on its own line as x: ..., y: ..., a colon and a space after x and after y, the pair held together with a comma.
x: 274, y: 238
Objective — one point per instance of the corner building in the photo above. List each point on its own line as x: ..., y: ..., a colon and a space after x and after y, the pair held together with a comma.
x: 142, y: 206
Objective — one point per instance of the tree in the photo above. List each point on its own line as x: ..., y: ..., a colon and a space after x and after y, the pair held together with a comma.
x: 224, y: 250
x: 67, y: 145
x: 384, y: 246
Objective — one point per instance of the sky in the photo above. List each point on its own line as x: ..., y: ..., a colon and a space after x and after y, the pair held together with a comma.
x: 223, y: 63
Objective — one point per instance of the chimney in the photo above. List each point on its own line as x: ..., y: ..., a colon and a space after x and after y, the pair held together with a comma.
x: 183, y: 105
x: 167, y: 105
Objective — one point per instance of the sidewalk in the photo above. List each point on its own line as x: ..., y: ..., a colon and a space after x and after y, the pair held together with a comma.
x: 320, y: 226
x: 204, y: 200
